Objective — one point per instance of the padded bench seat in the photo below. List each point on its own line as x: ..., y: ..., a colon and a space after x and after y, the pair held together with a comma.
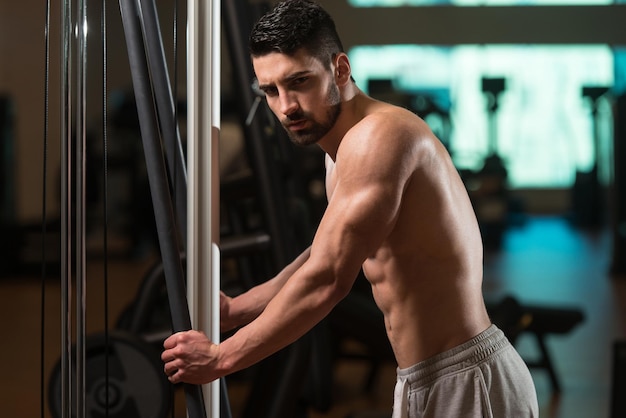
x: 515, y: 318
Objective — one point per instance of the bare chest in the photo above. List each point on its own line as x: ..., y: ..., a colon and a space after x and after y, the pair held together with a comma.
x: 331, y: 178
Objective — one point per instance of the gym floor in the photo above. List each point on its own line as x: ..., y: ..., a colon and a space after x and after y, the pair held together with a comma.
x: 544, y: 262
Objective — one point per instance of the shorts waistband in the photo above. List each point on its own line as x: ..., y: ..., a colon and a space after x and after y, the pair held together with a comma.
x: 471, y: 352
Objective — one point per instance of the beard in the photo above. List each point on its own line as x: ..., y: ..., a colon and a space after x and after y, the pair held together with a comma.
x: 318, y: 129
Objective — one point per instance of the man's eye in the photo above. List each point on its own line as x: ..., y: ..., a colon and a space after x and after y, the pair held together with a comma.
x: 270, y: 91
x: 300, y: 80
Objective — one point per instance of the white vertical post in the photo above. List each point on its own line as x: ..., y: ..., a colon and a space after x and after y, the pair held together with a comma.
x: 203, y: 120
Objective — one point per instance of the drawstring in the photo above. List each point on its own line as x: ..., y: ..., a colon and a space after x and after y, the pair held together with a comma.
x: 401, y: 399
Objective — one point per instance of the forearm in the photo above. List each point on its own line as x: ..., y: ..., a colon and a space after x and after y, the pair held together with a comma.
x: 301, y: 303
x: 246, y: 307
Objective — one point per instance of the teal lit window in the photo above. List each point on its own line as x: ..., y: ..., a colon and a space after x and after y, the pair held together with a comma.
x: 544, y: 129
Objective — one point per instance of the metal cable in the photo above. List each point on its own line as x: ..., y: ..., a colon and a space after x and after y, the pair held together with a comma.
x: 44, y: 219
x: 105, y: 164
x: 175, y: 100
x: 175, y: 174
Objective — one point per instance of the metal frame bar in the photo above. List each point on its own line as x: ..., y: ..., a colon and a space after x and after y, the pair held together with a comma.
x: 203, y: 117
x: 165, y: 105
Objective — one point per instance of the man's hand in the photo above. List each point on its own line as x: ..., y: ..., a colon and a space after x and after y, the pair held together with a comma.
x: 190, y: 357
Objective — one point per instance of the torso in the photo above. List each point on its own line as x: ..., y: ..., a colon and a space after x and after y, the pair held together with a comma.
x: 426, y: 276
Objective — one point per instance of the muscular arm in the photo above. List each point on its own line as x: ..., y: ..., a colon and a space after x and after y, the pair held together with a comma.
x: 246, y: 307
x: 362, y: 211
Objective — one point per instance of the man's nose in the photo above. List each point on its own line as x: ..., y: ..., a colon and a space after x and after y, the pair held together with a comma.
x: 288, y: 104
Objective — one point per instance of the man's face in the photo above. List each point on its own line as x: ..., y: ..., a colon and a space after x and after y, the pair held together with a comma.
x: 301, y: 92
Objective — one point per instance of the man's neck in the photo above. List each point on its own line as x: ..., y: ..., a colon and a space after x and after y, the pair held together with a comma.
x: 352, y: 111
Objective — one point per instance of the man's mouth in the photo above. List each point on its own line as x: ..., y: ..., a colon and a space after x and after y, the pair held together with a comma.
x: 296, y: 125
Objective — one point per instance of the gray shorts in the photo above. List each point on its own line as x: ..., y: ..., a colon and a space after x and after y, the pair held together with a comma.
x: 484, y: 377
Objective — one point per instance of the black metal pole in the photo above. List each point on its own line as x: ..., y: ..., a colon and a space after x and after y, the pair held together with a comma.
x: 169, y: 240
x: 165, y: 107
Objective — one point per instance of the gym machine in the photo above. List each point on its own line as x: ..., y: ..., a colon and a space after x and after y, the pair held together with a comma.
x: 588, y: 197
x: 487, y: 187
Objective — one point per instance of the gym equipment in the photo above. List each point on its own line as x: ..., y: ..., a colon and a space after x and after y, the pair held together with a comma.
x: 487, y: 187
x: 514, y: 318
x: 588, y: 199
x: 546, y: 321
x: 492, y: 88
x: 155, y: 106
x: 101, y: 390
x: 135, y: 382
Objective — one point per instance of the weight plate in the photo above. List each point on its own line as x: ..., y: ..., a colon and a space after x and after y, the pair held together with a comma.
x: 137, y: 386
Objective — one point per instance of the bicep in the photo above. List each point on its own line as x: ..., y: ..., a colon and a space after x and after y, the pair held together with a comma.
x: 360, y: 216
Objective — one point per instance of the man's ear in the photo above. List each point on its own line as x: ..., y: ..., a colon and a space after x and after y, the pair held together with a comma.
x: 343, y: 72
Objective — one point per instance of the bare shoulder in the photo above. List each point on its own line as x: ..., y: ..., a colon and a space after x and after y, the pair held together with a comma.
x: 388, y: 134
x: 386, y: 116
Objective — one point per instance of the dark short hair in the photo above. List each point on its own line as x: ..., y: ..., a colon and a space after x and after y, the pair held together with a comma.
x: 295, y: 24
